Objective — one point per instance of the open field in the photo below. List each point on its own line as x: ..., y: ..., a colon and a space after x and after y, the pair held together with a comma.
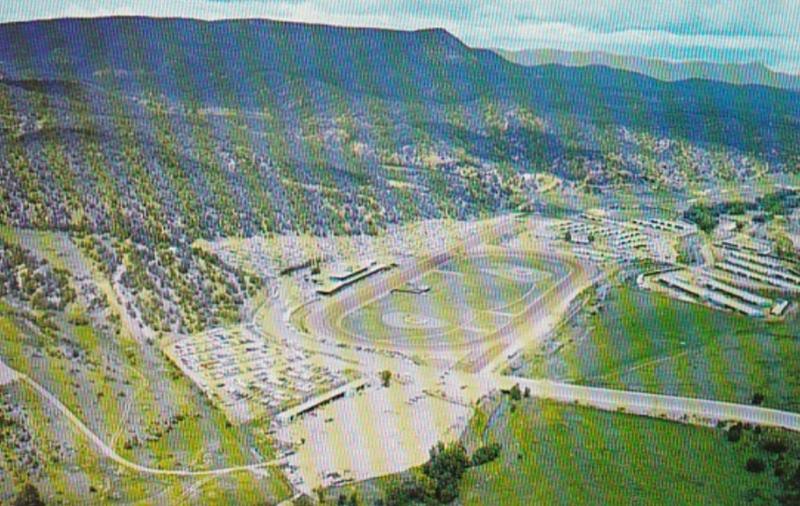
x: 648, y: 342
x: 556, y: 454
x: 560, y: 454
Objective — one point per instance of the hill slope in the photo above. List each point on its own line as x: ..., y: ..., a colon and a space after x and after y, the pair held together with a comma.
x: 244, y: 127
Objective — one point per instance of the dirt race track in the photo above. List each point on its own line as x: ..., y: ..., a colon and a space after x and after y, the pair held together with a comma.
x: 456, y: 314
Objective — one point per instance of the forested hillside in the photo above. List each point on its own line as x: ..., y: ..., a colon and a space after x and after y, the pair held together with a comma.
x: 165, y: 131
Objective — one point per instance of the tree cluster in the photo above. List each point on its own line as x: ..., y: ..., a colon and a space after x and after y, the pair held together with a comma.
x: 437, y: 482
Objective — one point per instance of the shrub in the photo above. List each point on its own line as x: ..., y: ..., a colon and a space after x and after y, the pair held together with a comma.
x: 28, y: 496
x: 386, y: 378
x: 486, y: 454
x: 415, y: 489
x: 755, y: 465
x: 735, y: 433
x: 774, y: 445
x: 445, y: 468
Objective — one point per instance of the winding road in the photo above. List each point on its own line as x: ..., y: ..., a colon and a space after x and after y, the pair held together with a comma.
x: 106, y: 451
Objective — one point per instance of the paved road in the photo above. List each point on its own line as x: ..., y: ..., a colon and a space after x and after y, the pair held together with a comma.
x: 107, y: 451
x: 676, y: 408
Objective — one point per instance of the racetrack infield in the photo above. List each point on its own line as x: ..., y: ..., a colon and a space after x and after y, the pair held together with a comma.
x: 468, y: 298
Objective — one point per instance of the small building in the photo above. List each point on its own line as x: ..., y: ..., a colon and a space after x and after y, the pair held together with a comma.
x: 779, y: 308
x: 344, y: 273
x: 291, y: 414
x: 333, y: 287
x: 579, y: 237
x: 412, y: 288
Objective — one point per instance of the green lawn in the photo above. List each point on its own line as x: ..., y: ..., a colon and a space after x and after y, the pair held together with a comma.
x: 554, y: 454
x: 558, y: 454
x: 466, y: 298
x: 646, y: 341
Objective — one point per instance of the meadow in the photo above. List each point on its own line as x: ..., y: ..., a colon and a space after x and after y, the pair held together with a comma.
x: 558, y: 454
x: 563, y: 454
x: 644, y: 341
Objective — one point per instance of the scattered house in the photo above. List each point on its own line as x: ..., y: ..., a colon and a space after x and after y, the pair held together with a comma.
x: 582, y: 238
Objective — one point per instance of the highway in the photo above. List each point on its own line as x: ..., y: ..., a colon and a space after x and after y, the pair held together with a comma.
x: 685, y: 409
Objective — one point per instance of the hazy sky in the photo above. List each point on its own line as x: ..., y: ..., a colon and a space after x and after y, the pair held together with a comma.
x: 730, y: 31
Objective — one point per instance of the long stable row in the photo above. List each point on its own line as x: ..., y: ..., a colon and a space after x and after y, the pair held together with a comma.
x: 740, y: 270
x: 675, y: 281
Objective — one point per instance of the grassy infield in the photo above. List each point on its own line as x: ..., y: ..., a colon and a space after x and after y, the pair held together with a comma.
x: 458, y: 288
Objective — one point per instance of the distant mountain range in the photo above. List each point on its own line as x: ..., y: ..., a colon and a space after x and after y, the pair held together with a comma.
x: 664, y: 70
x: 242, y: 127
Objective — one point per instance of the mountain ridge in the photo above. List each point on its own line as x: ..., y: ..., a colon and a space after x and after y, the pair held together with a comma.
x: 749, y: 73
x: 255, y: 126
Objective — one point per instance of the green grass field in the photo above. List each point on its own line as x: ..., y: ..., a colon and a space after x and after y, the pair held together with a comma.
x: 646, y: 341
x: 557, y: 454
